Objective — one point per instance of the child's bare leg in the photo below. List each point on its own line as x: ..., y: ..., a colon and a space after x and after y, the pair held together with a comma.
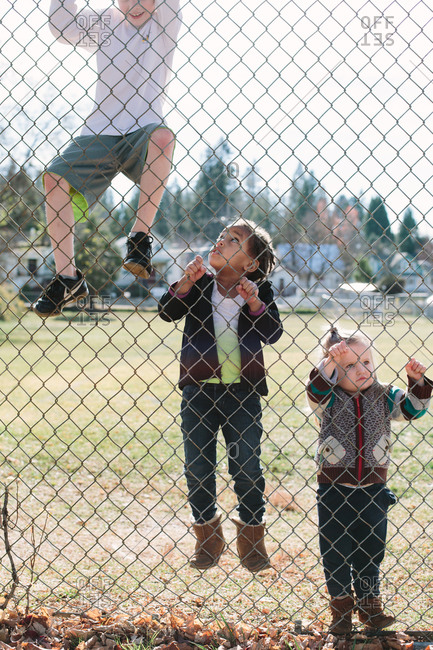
x: 154, y: 178
x: 152, y: 184
x: 71, y: 286
x: 60, y: 221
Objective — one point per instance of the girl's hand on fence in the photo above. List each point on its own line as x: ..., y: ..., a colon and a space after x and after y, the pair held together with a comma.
x: 193, y: 272
x: 415, y: 370
x: 249, y: 291
x: 195, y: 269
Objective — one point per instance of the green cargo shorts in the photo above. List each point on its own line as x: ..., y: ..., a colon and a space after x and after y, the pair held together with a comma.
x: 90, y: 162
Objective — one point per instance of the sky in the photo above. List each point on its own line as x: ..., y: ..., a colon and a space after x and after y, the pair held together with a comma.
x: 342, y: 88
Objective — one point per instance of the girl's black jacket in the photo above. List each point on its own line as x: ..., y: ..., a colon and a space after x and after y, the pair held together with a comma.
x: 199, y: 357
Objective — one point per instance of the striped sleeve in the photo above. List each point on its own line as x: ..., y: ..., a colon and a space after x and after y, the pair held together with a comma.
x: 413, y: 403
x: 319, y: 390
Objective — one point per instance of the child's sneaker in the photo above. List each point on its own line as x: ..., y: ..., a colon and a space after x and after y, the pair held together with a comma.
x: 139, y: 251
x: 60, y: 292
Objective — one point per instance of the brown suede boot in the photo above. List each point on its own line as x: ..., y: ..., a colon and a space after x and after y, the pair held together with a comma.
x: 210, y: 543
x: 251, y: 546
x: 341, y: 609
x: 371, y: 613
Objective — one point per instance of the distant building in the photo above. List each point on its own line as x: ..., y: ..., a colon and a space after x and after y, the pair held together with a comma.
x: 309, y: 267
x: 414, y: 274
x: 23, y: 260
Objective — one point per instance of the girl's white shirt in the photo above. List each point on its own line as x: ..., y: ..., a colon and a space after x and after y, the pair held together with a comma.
x: 226, y: 320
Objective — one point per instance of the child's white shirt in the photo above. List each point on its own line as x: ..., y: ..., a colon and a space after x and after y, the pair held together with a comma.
x: 133, y: 65
x: 226, y: 320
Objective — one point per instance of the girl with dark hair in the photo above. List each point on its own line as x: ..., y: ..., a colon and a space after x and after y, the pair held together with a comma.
x: 229, y: 315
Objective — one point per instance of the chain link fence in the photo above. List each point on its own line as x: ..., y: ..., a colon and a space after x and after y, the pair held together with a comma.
x: 311, y: 119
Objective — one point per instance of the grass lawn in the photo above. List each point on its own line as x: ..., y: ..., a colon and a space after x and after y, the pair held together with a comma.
x: 92, y: 453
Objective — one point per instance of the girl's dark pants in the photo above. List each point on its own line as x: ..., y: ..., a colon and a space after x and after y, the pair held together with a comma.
x: 352, y: 536
x: 238, y: 412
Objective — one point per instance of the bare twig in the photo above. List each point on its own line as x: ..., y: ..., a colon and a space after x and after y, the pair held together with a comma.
x: 33, y: 559
x: 15, y: 581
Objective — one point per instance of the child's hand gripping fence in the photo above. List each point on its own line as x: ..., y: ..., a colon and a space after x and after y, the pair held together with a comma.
x: 314, y: 122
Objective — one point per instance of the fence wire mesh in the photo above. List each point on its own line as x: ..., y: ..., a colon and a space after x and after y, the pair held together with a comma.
x: 313, y: 120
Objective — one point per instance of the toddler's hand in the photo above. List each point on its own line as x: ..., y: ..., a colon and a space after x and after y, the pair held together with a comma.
x: 249, y: 291
x: 415, y: 370
x: 337, y: 351
x: 195, y: 269
x: 335, y: 357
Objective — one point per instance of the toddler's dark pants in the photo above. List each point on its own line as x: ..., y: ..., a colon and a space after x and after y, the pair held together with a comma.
x: 352, y: 536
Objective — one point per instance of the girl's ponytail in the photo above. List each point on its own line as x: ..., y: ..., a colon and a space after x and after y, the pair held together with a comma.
x: 335, y: 335
x: 330, y: 339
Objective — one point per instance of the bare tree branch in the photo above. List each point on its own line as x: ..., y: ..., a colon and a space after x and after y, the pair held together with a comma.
x: 15, y: 580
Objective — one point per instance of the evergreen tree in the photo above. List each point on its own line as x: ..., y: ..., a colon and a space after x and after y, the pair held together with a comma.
x: 255, y: 201
x: 346, y: 220
x: 408, y: 237
x: 213, y: 193
x: 376, y: 227
x: 172, y: 218
x: 95, y: 252
x: 304, y: 216
x: 363, y: 271
x: 303, y: 198
x: 291, y: 231
x: 22, y: 201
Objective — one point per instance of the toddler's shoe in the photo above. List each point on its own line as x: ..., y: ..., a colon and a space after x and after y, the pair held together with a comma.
x: 341, y: 609
x: 372, y: 614
x: 139, y: 251
x: 60, y: 292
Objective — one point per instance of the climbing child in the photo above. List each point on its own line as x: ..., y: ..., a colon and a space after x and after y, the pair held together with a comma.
x: 125, y: 131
